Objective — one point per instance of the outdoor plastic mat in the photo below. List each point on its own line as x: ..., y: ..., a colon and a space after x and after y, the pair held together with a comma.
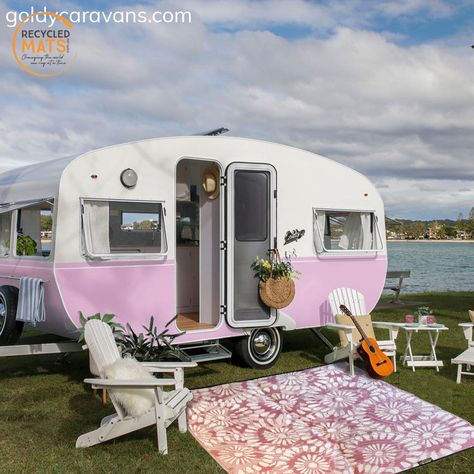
x: 322, y: 420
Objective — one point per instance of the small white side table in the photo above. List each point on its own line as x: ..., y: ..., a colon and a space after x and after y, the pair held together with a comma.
x: 422, y: 360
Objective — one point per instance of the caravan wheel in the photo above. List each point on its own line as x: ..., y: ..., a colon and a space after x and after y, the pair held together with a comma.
x: 10, y: 328
x: 261, y: 349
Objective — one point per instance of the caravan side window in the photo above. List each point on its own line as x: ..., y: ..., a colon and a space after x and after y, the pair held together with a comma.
x: 5, y: 233
x: 345, y: 231
x: 123, y: 227
x: 34, y: 230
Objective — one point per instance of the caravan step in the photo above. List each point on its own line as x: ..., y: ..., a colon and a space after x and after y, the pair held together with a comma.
x: 206, y: 352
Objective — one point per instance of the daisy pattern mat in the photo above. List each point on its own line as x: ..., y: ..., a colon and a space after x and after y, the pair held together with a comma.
x: 322, y: 421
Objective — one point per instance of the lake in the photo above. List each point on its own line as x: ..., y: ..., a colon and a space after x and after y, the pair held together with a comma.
x: 435, y: 266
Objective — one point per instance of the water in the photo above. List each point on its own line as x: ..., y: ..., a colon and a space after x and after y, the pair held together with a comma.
x: 435, y: 266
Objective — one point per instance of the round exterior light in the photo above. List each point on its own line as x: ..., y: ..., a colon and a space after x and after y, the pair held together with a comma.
x: 129, y: 178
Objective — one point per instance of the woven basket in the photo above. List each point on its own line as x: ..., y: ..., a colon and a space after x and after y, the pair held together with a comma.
x: 277, y: 293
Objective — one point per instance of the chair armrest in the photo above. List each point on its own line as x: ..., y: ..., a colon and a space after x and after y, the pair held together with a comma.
x: 393, y: 328
x: 468, y: 330
x: 157, y: 368
x: 337, y: 327
x: 110, y: 383
x: 168, y: 366
x: 386, y: 325
x: 176, y: 368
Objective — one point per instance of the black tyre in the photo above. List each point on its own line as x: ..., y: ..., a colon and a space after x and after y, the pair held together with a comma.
x: 10, y: 328
x: 261, y: 349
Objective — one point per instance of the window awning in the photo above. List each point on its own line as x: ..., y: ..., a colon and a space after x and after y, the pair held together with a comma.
x: 13, y: 206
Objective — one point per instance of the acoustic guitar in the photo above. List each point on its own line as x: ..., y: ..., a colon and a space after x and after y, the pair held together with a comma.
x: 377, y: 364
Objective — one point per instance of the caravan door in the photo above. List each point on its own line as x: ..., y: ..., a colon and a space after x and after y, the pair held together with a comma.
x: 251, y: 232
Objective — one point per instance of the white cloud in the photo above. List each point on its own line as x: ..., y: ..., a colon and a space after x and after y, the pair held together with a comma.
x: 402, y: 115
x: 403, y: 196
x: 317, y: 15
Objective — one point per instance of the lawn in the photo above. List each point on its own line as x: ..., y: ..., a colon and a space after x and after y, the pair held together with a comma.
x: 44, y: 405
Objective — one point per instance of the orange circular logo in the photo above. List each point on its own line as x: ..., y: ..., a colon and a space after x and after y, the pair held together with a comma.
x: 41, y: 44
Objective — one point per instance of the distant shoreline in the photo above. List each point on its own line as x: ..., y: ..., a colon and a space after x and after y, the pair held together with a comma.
x: 447, y: 241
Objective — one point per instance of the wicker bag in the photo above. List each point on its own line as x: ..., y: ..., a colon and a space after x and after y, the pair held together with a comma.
x: 277, y: 293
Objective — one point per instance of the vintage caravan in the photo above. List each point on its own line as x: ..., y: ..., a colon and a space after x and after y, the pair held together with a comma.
x: 170, y: 226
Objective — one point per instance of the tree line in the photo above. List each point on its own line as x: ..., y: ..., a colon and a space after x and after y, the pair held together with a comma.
x: 434, y: 229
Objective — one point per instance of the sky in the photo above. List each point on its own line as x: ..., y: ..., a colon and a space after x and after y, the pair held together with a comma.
x: 385, y: 87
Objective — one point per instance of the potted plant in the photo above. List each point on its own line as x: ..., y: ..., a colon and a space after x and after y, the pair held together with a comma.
x: 424, y: 314
x: 25, y: 245
x: 151, y: 346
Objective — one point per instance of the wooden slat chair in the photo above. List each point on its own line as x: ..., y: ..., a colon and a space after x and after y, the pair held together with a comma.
x: 168, y: 407
x: 396, y: 287
x: 355, y: 301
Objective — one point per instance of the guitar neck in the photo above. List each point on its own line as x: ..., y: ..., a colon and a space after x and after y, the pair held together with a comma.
x: 357, y: 325
x: 359, y: 328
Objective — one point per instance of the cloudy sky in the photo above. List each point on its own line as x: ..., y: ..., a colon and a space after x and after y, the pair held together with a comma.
x: 386, y: 87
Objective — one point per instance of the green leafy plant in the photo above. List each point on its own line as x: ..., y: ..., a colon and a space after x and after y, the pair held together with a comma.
x: 423, y: 311
x: 117, y: 328
x: 266, y: 268
x: 151, y: 346
x: 25, y: 245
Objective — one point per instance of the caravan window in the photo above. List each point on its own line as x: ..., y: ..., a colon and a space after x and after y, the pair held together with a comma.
x: 34, y: 230
x: 123, y: 227
x: 5, y: 233
x: 251, y: 205
x: 345, y: 231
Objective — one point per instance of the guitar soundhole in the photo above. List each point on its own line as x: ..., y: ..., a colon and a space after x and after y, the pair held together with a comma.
x: 372, y: 349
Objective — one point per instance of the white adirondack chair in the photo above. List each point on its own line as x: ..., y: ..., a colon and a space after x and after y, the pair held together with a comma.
x: 467, y: 329
x: 169, y: 405
x: 355, y: 302
x: 467, y: 357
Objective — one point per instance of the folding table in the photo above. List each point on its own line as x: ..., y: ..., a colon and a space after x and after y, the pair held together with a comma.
x: 430, y: 360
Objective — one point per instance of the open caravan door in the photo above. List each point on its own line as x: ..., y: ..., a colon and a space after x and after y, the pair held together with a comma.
x: 251, y: 232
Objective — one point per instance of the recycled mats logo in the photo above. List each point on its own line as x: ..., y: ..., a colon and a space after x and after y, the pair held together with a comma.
x: 44, y: 50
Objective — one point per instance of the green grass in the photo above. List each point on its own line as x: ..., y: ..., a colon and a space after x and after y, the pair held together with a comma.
x: 44, y: 406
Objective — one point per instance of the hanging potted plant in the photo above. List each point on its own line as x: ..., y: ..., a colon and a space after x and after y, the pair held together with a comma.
x: 276, y: 280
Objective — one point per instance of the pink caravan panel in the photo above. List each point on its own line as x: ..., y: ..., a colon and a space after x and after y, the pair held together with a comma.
x: 132, y: 290
x: 319, y: 277
x: 57, y: 321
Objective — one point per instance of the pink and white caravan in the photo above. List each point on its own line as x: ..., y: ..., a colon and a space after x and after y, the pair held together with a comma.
x: 169, y: 227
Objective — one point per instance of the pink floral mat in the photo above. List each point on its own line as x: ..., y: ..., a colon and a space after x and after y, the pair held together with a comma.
x: 322, y: 420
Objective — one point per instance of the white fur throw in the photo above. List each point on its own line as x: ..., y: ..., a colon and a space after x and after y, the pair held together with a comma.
x: 134, y: 401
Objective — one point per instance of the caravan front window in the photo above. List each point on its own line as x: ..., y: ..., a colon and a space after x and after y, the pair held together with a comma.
x: 123, y: 227
x: 345, y: 231
x: 34, y: 229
